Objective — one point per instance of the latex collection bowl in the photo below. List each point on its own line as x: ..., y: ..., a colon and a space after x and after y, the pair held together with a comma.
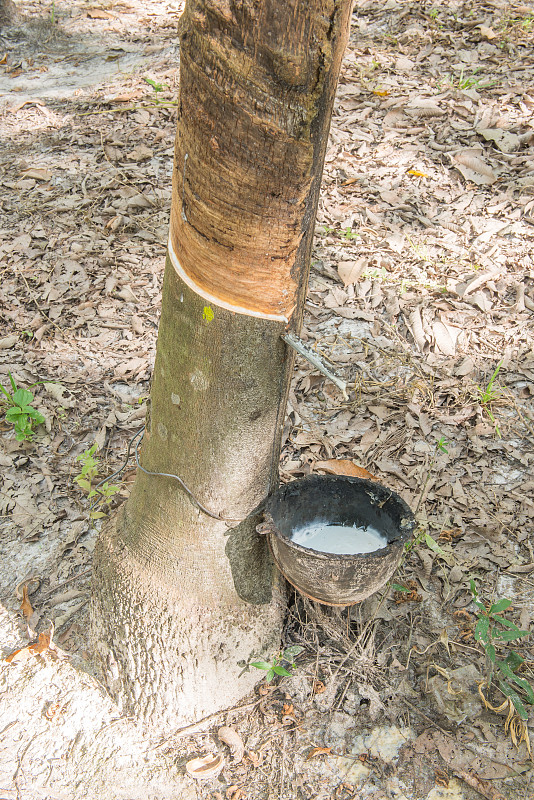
x: 338, y: 580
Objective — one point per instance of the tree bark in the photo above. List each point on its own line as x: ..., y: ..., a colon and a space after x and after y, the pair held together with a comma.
x: 8, y: 12
x: 180, y: 597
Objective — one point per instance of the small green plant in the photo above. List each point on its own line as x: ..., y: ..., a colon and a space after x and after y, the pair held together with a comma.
x: 493, y: 630
x: 275, y: 667
x: 346, y: 233
x: 19, y: 411
x: 422, y: 535
x: 158, y: 87
x: 470, y: 81
x: 433, y: 13
x: 377, y: 274
x: 489, y: 395
x: 440, y: 446
x: 90, y: 466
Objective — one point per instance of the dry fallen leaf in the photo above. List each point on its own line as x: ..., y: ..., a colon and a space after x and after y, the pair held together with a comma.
x: 483, y: 787
x: 55, y: 711
x: 255, y: 758
x: 137, y: 325
x: 97, y: 13
x: 45, y: 640
x: 465, y: 367
x: 115, y: 222
x: 43, y: 644
x: 205, y: 767
x: 140, y: 153
x: 38, y: 174
x: 318, y: 751
x: 26, y: 606
x: 125, y: 97
x: 350, y: 271
x: 519, y: 569
x: 411, y: 596
x: 57, y: 391
x: 478, y: 281
x: 424, y: 107
x: 8, y: 341
x: 340, y: 466
x: 404, y: 64
x: 234, y: 741
x: 486, y: 32
x: 443, y: 339
x: 396, y: 242
x: 473, y: 168
x: 416, y: 324
x: 506, y: 141
x: 393, y: 118
x: 235, y: 793
x: 19, y: 655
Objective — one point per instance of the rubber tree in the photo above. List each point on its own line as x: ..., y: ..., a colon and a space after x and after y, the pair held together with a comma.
x: 180, y: 596
x: 8, y: 12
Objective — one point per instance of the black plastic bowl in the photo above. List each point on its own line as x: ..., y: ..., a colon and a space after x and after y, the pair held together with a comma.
x: 336, y: 580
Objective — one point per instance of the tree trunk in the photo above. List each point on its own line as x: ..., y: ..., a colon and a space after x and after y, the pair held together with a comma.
x: 179, y: 596
x: 8, y: 12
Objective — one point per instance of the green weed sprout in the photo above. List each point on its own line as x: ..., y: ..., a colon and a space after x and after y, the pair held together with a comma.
x: 493, y: 629
x: 346, y: 233
x: 470, y: 82
x: 89, y: 471
x: 20, y: 412
x: 158, y: 87
x: 439, y: 446
x: 488, y: 396
x: 422, y: 534
x: 275, y: 667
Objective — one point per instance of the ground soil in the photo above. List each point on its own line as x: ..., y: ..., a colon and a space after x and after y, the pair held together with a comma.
x: 422, y: 300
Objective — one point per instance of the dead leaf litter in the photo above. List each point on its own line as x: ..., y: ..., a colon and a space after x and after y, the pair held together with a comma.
x: 421, y: 299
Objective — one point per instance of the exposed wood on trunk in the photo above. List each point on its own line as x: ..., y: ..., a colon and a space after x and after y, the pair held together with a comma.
x: 253, y: 80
